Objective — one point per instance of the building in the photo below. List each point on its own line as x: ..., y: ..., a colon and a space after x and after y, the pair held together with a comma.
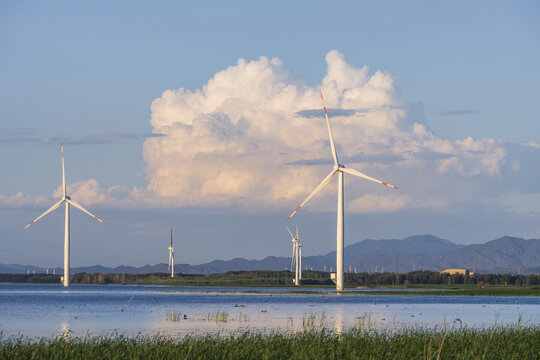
x: 465, y: 272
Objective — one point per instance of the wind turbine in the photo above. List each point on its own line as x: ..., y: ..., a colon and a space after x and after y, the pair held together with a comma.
x: 67, y: 201
x: 171, y: 257
x: 339, y: 169
x: 296, y: 258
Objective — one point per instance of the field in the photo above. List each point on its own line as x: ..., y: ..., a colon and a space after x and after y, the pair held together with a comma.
x: 495, y: 343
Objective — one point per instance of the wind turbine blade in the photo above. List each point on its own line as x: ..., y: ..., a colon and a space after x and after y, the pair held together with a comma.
x: 296, y: 231
x: 63, y: 170
x: 171, y: 237
x: 169, y: 267
x: 52, y: 208
x: 77, y: 205
x: 292, y: 237
x: 359, y: 174
x: 334, y: 154
x: 317, y: 189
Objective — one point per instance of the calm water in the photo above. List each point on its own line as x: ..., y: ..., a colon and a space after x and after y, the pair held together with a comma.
x: 50, y: 310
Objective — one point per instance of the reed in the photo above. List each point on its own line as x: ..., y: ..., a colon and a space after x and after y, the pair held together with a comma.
x: 418, y: 343
x: 174, y: 316
x: 218, y: 316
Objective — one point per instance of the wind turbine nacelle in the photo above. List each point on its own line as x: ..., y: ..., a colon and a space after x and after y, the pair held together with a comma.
x: 67, y: 197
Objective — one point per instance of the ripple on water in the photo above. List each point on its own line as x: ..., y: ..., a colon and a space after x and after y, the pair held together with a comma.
x: 50, y: 310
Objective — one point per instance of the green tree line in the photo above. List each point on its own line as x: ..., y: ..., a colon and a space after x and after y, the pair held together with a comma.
x: 280, y: 278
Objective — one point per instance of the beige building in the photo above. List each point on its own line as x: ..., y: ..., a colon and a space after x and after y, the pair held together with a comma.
x: 466, y: 272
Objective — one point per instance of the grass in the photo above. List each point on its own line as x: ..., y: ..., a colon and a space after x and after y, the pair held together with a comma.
x: 218, y: 316
x: 465, y: 343
x: 174, y: 316
x: 431, y: 290
x: 314, y: 321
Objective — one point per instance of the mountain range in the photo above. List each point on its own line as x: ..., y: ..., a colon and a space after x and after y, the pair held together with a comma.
x: 420, y: 252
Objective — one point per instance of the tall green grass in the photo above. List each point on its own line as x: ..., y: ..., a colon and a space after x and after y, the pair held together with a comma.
x: 465, y: 343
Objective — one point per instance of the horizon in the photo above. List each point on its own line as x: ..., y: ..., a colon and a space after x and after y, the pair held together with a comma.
x: 59, y: 266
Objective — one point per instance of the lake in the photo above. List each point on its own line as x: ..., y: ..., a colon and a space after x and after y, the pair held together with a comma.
x: 47, y: 310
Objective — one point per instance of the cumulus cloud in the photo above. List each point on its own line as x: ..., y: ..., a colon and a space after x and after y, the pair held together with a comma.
x: 254, y: 136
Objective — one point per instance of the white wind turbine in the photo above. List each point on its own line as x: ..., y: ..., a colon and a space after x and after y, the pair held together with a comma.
x: 171, y: 257
x: 68, y: 201
x: 296, y: 258
x: 339, y: 169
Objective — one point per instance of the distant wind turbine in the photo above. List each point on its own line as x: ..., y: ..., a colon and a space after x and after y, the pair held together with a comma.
x: 339, y: 169
x: 296, y: 258
x: 68, y: 201
x: 171, y: 257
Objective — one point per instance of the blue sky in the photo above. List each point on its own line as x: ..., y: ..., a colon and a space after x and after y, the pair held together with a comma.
x: 88, y: 73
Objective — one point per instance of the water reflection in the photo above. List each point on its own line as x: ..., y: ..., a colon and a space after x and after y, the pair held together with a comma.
x: 338, y: 323
x: 48, y: 310
x: 64, y: 331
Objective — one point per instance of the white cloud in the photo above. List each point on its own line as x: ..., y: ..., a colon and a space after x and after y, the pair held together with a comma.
x: 89, y: 192
x: 234, y: 143
x: 229, y: 143
x: 20, y: 200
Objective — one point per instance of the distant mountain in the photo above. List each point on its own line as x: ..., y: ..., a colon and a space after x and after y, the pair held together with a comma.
x: 420, y: 252
x: 419, y: 244
x: 20, y: 269
x: 506, y: 252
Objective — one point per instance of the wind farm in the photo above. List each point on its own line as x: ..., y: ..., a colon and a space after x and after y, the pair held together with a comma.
x: 348, y: 181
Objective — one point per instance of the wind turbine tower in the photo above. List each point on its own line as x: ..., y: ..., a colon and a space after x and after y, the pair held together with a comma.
x: 296, y: 256
x: 67, y: 201
x: 171, y: 257
x: 300, y: 261
x: 340, y: 169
